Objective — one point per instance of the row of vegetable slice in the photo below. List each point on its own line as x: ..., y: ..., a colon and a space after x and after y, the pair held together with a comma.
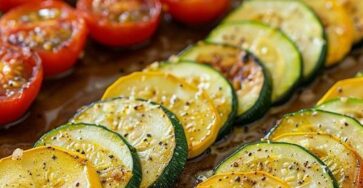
x: 140, y: 144
x: 318, y: 147
x: 332, y: 137
x: 262, y: 64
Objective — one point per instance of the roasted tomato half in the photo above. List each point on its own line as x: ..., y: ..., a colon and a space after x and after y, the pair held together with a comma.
x: 51, y: 28
x: 121, y: 22
x: 6, y: 5
x: 195, y: 12
x: 21, y: 75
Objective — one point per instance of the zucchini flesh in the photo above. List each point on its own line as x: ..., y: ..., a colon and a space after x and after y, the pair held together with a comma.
x: 288, y: 162
x: 193, y: 108
x: 347, y: 106
x: 151, y: 129
x: 344, y: 128
x: 243, y: 180
x: 249, y: 78
x: 344, y: 88
x: 272, y: 47
x: 355, y: 10
x: 47, y: 167
x: 209, y: 81
x: 297, y: 21
x: 338, y: 27
x: 116, y: 163
x: 344, y: 163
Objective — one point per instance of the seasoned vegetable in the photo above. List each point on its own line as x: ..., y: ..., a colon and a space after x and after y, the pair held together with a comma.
x: 243, y: 180
x: 272, y: 47
x: 194, y: 109
x: 121, y: 23
x: 355, y: 10
x: 21, y: 75
x: 344, y: 128
x: 209, y: 81
x: 116, y: 162
x: 248, y: 76
x: 308, y: 34
x: 53, y: 29
x: 344, y: 88
x: 344, y: 163
x: 347, y: 106
x: 338, y: 27
x: 154, y: 132
x: 47, y: 167
x: 288, y: 162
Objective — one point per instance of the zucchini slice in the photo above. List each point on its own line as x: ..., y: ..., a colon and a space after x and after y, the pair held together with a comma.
x: 249, y: 78
x: 345, y: 88
x: 116, y: 162
x: 308, y: 34
x: 242, y: 180
x: 47, y: 167
x: 347, y: 106
x: 152, y: 130
x: 355, y: 10
x: 338, y: 27
x: 288, y: 162
x: 272, y: 47
x: 209, y: 81
x: 193, y: 108
x: 344, y: 128
x: 344, y: 163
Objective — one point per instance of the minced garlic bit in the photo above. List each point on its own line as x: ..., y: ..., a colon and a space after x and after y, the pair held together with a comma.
x: 17, y: 154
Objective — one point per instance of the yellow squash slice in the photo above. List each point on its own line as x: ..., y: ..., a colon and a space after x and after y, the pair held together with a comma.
x: 255, y: 179
x: 47, y: 167
x: 345, y: 88
x: 355, y: 10
x: 338, y: 25
x: 348, y: 130
x: 193, y: 108
x: 344, y: 163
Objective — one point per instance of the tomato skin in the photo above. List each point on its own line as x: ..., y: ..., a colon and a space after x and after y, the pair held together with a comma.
x: 55, y: 61
x: 6, y: 5
x: 195, y: 12
x: 14, y: 107
x: 119, y: 34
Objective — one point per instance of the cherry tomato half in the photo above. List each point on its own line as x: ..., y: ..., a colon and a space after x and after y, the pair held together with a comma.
x: 121, y: 22
x: 6, y: 5
x: 21, y: 75
x: 196, y: 11
x: 51, y: 28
